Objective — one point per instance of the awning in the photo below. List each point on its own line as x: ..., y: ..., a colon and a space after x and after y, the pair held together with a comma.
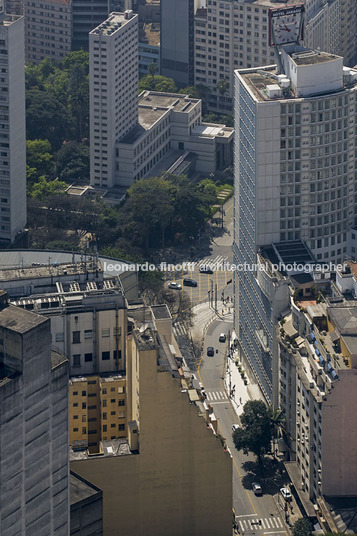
x: 312, y: 336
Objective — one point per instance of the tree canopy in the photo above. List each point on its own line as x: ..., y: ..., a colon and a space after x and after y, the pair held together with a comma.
x: 157, y: 83
x: 255, y: 431
x: 302, y: 527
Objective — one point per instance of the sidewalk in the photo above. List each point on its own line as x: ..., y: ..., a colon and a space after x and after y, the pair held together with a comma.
x: 238, y: 391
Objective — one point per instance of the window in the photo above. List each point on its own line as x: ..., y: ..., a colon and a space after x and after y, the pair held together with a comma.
x: 84, y: 405
x: 75, y: 429
x: 88, y: 357
x: 75, y: 405
x: 76, y: 337
x: 104, y: 416
x: 84, y: 393
x: 105, y: 427
x: 121, y: 402
x: 77, y: 360
x: 60, y: 337
x: 117, y: 354
x: 75, y: 416
x: 84, y: 430
x: 88, y: 333
x: 181, y: 145
x: 106, y: 332
x: 105, y: 356
x: 121, y: 426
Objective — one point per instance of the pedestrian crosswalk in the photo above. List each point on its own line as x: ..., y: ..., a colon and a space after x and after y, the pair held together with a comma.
x: 179, y: 329
x: 272, y: 523
x: 216, y: 396
x: 216, y: 262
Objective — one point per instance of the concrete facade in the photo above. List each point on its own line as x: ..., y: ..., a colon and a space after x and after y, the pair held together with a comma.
x: 234, y: 35
x: 177, y: 40
x: 113, y: 49
x: 86, y: 16
x: 175, y: 459
x: 48, y: 29
x: 13, y: 131
x: 86, y: 507
x: 34, y: 427
x: 295, y: 178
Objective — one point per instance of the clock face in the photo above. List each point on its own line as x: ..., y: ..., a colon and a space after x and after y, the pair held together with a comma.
x: 286, y: 25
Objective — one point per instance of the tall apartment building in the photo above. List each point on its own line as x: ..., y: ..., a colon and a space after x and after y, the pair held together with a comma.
x: 317, y: 388
x: 113, y: 74
x: 48, y: 29
x: 86, y: 16
x: 177, y: 40
x: 34, y: 462
x: 233, y: 35
x: 12, y: 129
x: 295, y: 178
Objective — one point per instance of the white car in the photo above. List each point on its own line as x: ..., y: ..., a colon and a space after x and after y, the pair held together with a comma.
x: 222, y: 337
x: 174, y: 285
x: 286, y: 494
x: 257, y: 489
x: 235, y: 427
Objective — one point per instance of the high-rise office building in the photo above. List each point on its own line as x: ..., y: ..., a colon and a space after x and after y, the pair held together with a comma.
x: 177, y: 40
x: 113, y: 72
x: 12, y: 129
x: 295, y: 178
x: 48, y: 29
x: 234, y: 35
x: 33, y: 427
x: 86, y: 16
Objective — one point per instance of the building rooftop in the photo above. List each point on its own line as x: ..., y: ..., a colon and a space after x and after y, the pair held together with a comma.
x: 80, y: 489
x: 311, y: 57
x: 160, y: 311
x: 344, y: 319
x: 57, y: 359
x: 152, y: 106
x: 19, y: 320
x: 145, y: 339
x: 41, y: 270
x: 212, y: 130
x: 114, y: 447
x: 112, y: 24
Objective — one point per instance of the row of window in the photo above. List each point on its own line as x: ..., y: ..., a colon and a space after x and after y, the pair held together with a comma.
x: 89, y: 357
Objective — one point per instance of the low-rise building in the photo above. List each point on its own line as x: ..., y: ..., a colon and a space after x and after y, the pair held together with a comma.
x: 86, y: 500
x: 97, y: 410
x: 48, y: 29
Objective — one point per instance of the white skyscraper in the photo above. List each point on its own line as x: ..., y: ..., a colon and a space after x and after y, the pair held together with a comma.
x: 114, y: 79
x: 296, y: 181
x: 234, y: 35
x: 12, y: 128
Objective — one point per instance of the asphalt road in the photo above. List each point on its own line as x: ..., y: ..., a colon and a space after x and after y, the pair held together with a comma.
x: 248, y: 507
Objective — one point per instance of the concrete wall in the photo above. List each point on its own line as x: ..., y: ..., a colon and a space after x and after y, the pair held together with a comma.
x: 180, y: 483
x: 339, y: 437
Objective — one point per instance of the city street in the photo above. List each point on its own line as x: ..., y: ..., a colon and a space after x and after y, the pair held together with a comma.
x: 248, y: 507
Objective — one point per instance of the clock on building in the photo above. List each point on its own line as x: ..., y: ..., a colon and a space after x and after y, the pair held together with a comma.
x: 286, y: 25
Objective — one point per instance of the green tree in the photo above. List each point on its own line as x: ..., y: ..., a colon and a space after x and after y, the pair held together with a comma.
x: 157, y: 83
x: 277, y: 420
x: 39, y: 159
x: 302, y: 527
x: 79, y: 99
x: 76, y: 57
x: 46, y: 118
x: 73, y: 161
x: 152, y: 69
x: 150, y: 207
x: 222, y: 86
x: 191, y: 91
x: 42, y: 189
x: 255, y: 433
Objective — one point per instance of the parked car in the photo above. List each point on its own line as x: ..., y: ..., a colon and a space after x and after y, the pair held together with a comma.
x: 235, y: 427
x: 257, y: 488
x: 187, y: 282
x: 286, y: 494
x: 222, y: 337
x: 174, y: 285
x: 210, y: 351
x: 205, y: 269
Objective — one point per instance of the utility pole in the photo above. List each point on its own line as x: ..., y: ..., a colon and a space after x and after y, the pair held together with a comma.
x: 215, y: 295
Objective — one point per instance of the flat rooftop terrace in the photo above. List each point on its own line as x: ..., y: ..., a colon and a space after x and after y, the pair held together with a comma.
x: 111, y: 25
x: 39, y: 270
